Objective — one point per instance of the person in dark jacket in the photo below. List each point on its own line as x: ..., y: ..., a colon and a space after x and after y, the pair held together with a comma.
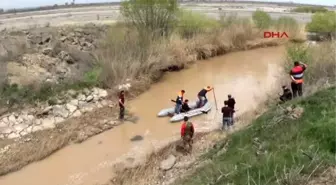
x: 202, y: 99
x: 121, y: 105
x: 185, y: 106
x: 227, y: 116
x: 179, y: 101
x: 231, y: 101
x: 287, y: 94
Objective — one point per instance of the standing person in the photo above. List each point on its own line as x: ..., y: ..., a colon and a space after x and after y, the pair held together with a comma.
x: 202, y: 100
x: 187, y: 133
x: 296, y: 74
x: 179, y: 102
x: 122, y: 104
x: 227, y: 116
x: 231, y: 103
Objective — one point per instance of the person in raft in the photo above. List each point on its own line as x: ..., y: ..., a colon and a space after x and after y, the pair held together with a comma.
x: 202, y: 99
x: 179, y: 102
x: 185, y: 106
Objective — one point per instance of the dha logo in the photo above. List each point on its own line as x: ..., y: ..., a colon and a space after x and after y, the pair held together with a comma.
x: 269, y: 34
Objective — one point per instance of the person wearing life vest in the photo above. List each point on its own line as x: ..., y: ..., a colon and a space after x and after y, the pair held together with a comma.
x: 296, y: 74
x: 187, y: 132
x: 202, y: 100
x: 179, y: 101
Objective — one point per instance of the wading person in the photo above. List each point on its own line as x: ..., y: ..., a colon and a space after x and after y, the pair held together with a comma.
x: 187, y: 133
x: 202, y: 99
x: 227, y: 116
x: 179, y: 102
x: 286, y: 95
x: 122, y: 105
x: 296, y: 74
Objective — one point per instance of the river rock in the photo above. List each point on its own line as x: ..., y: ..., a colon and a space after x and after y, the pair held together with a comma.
x: 74, y: 102
x: 12, y: 119
x: 23, y: 133
x: 72, y: 92
x: 38, y: 122
x: 71, y: 108
x: 48, y: 123
x: 20, y: 127
x: 59, y: 120
x: 47, y: 51
x: 81, y: 97
x: 77, y: 113
x: 7, y: 130
x: 168, y: 163
x: 13, y: 135
x: 29, y: 129
x: 37, y: 128
x: 19, y: 120
x: 89, y: 98
x: 86, y: 91
x: 102, y: 93
x: 61, y: 111
x: 47, y: 110
x: 2, y: 124
x: 95, y: 91
x: 5, y: 120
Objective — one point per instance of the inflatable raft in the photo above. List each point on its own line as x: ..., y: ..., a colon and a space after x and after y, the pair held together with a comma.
x: 193, y: 112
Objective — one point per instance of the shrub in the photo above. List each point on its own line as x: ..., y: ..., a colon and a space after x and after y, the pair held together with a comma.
x: 323, y: 23
x: 262, y: 19
x: 155, y: 17
x: 290, y: 26
x: 309, y: 9
x: 191, y: 23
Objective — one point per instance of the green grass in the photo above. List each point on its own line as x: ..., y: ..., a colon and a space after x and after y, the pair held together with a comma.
x: 295, y: 148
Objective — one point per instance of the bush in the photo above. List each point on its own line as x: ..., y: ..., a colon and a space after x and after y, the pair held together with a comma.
x: 323, y: 23
x: 262, y: 19
x: 309, y: 9
x: 191, y: 23
x: 287, y: 24
x: 155, y: 17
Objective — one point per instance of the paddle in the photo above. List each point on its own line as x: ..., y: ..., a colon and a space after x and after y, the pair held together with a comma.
x: 215, y: 98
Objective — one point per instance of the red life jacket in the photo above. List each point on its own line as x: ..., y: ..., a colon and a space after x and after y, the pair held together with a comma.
x: 297, y: 73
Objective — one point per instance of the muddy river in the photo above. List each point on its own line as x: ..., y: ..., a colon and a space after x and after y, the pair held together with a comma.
x: 247, y: 75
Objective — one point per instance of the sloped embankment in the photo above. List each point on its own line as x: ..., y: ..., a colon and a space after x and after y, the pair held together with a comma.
x: 280, y: 147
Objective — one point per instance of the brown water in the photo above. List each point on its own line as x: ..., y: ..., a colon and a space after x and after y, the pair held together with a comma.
x: 247, y: 75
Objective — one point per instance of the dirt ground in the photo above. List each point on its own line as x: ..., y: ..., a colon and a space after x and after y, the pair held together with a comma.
x: 150, y: 172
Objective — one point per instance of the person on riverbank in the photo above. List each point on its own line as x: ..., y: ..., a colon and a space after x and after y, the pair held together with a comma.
x: 202, y: 99
x: 231, y: 103
x: 287, y: 94
x: 179, y: 101
x: 185, y: 106
x: 227, y: 116
x: 122, y: 105
x: 296, y: 74
x: 187, y: 133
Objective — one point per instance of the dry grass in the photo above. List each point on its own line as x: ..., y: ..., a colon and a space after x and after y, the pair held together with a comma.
x: 125, y: 55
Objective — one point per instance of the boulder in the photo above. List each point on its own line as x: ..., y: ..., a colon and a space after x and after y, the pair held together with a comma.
x: 102, y: 93
x: 59, y: 110
x: 71, y: 108
x: 47, y: 51
x: 89, y: 98
x: 168, y: 163
x: 48, y: 123
x: 66, y: 57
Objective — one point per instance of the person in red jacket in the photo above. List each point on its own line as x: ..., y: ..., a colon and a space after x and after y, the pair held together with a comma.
x: 187, y: 133
x: 296, y: 74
